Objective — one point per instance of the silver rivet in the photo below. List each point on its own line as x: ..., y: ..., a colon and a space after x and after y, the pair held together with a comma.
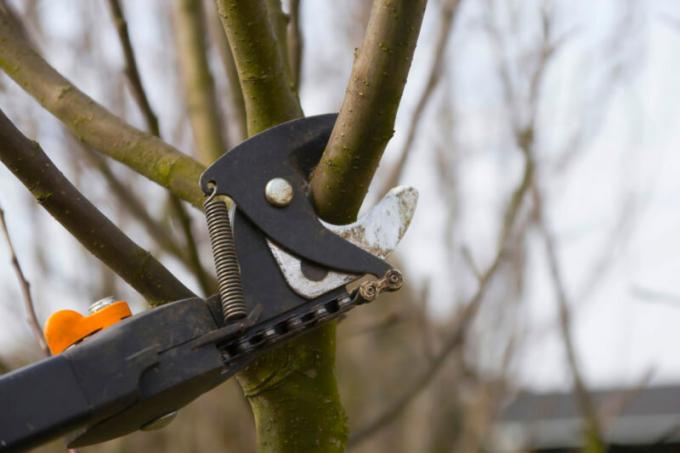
x: 101, y: 303
x: 160, y: 422
x: 278, y: 192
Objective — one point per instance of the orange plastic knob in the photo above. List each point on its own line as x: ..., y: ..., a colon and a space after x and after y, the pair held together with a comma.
x: 67, y: 327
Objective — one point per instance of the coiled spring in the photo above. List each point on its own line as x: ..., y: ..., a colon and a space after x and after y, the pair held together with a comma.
x: 226, y: 262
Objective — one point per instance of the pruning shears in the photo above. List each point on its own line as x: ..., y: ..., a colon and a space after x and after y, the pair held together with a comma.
x: 281, y: 272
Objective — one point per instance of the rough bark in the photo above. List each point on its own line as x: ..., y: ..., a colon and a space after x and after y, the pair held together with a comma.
x: 92, y: 123
x: 269, y: 97
x: 83, y: 220
x: 366, y: 121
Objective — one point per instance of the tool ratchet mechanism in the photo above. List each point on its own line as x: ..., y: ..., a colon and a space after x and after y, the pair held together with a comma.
x: 281, y: 271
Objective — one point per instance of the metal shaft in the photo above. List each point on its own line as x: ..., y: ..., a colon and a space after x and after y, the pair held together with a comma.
x: 226, y: 262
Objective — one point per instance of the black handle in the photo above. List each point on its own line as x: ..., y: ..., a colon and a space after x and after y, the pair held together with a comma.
x: 40, y: 402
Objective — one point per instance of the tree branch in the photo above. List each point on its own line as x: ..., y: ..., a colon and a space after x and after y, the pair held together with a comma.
x: 295, y: 44
x: 190, y: 258
x: 366, y: 121
x: 449, y: 10
x: 29, y: 306
x: 279, y: 24
x: 593, y: 429
x: 199, y: 89
x: 269, y: 98
x: 92, y: 123
x: 102, y: 238
x: 235, y: 100
x: 131, y: 69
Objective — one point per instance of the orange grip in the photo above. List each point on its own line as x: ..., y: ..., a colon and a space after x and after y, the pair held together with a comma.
x: 67, y: 327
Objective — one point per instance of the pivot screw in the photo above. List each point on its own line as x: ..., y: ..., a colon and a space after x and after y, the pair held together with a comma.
x: 278, y: 192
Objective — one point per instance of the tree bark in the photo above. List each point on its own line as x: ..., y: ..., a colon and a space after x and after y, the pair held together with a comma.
x: 92, y: 123
x: 85, y: 222
x: 366, y: 121
x: 268, y: 94
x: 199, y: 88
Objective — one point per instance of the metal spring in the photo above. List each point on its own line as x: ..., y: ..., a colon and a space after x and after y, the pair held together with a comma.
x: 226, y: 262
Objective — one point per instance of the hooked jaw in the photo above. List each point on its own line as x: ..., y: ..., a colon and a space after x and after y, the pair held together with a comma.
x: 377, y: 232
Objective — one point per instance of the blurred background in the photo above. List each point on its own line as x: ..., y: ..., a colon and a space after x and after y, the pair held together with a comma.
x: 544, y: 258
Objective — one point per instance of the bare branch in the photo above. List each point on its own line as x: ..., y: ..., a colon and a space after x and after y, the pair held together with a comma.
x: 25, y: 286
x: 199, y: 89
x: 583, y: 398
x: 654, y: 295
x: 449, y: 10
x: 157, y: 231
x: 132, y: 71
x: 237, y: 107
x: 295, y: 44
x: 462, y: 321
x: 85, y: 222
x: 279, y: 24
x: 191, y: 258
x: 131, y: 68
x: 92, y: 123
x: 269, y: 98
x: 366, y: 120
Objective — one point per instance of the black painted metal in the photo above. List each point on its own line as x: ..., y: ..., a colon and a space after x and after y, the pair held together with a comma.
x: 115, y: 381
x: 290, y: 151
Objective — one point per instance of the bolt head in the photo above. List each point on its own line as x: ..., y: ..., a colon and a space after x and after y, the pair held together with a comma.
x: 278, y: 192
x: 101, y: 303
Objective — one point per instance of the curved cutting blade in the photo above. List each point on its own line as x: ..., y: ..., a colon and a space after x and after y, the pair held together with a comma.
x: 378, y: 232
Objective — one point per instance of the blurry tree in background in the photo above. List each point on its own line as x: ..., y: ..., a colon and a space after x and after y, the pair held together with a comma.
x: 490, y: 80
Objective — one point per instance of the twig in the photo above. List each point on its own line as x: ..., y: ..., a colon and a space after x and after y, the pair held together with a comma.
x: 192, y: 258
x: 199, y: 88
x: 25, y: 286
x: 614, y: 405
x: 139, y: 93
x: 653, y: 295
x: 83, y: 220
x: 92, y: 123
x: 583, y: 398
x: 448, y: 14
x: 295, y: 44
x: 160, y: 234
x: 131, y: 69
x: 462, y: 321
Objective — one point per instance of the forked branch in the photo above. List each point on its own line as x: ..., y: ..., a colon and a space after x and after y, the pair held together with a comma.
x: 92, y: 123
x: 83, y: 220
